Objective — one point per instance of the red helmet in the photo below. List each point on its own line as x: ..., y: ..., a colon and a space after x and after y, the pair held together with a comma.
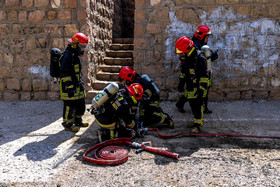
x: 79, y: 38
x: 184, y: 45
x: 127, y: 73
x: 202, y: 31
x: 136, y: 91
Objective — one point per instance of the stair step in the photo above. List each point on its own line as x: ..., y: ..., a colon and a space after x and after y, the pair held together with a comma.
x: 121, y: 46
x: 123, y: 54
x: 112, y: 69
x: 123, y: 40
x: 118, y: 61
x: 119, y: 55
x: 92, y: 93
x: 100, y: 85
x: 107, y: 76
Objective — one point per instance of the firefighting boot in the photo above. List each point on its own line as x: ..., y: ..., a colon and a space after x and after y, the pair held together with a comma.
x: 180, y: 108
x: 195, y: 130
x: 70, y: 127
x: 103, y: 134
x: 82, y: 124
x: 180, y: 104
x: 79, y: 122
x: 190, y: 125
x: 169, y: 121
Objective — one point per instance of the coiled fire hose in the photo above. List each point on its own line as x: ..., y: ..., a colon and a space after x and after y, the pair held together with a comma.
x: 107, y: 153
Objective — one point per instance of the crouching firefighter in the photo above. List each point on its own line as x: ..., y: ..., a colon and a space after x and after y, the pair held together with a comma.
x: 115, y: 109
x: 150, y: 113
x: 196, y: 77
x: 71, y: 85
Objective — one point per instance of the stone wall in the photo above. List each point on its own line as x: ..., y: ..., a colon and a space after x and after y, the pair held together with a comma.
x: 30, y: 28
x: 246, y: 33
x: 100, y: 21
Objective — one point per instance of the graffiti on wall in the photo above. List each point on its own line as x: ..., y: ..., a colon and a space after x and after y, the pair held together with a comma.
x: 244, y: 45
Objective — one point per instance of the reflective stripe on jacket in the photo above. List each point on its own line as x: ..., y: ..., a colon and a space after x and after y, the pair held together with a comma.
x: 70, y: 71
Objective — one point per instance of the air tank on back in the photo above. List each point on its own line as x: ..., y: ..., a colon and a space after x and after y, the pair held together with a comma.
x: 102, y: 97
x: 207, y: 52
x: 149, y: 80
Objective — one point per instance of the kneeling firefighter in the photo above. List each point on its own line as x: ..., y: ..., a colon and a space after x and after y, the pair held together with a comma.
x: 196, y: 77
x: 115, y: 109
x: 151, y: 112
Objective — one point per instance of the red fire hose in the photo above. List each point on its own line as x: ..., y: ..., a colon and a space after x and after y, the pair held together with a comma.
x: 208, y: 135
x: 107, y: 153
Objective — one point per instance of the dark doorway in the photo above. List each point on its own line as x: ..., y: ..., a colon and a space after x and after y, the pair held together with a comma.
x: 123, y: 23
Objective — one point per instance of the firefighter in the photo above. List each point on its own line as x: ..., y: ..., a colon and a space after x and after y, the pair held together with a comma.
x: 72, y: 90
x: 121, y: 106
x: 181, y: 86
x: 196, y: 78
x: 151, y: 112
x: 200, y: 38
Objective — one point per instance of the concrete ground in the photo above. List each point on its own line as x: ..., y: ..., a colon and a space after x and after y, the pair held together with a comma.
x: 36, y: 151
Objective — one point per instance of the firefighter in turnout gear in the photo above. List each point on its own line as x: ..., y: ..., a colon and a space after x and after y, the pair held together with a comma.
x: 200, y: 38
x: 151, y: 112
x: 71, y: 85
x: 196, y: 78
x: 116, y: 115
x: 181, y: 86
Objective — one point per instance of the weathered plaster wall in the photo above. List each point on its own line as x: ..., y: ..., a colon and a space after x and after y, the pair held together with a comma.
x: 246, y: 33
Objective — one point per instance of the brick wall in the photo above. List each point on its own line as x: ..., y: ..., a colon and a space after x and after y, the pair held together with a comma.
x: 30, y: 28
x: 246, y: 33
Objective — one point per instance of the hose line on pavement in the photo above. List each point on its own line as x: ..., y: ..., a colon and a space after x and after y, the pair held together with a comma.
x: 209, y: 135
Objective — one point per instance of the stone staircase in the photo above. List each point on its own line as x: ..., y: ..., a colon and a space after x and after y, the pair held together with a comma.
x: 119, y: 55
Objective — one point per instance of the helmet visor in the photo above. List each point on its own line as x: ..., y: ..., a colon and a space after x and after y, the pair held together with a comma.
x: 177, y: 51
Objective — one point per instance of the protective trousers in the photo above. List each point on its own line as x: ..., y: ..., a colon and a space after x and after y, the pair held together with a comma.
x: 153, y: 114
x: 205, y: 99
x: 73, y: 110
x: 197, y: 110
x: 182, y: 100
x: 111, y: 128
x: 108, y: 123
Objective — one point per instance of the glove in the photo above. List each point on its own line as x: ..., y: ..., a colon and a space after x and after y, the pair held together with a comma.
x: 181, y: 84
x: 145, y: 97
x: 214, y: 55
x: 130, y: 132
x: 199, y: 93
x: 71, y: 92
